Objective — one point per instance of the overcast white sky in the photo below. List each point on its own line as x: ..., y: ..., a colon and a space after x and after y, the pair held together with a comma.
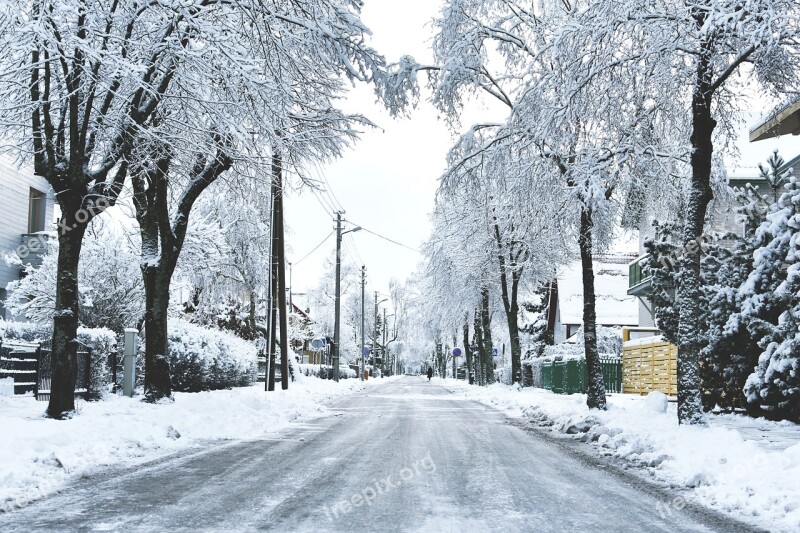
x: 388, y: 181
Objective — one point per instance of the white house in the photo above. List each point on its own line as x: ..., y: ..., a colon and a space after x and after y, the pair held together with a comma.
x: 614, y: 307
x: 26, y: 209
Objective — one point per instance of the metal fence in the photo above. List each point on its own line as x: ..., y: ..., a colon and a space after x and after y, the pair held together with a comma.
x: 83, y: 374
x: 570, y: 377
x: 18, y: 361
x: 29, y: 364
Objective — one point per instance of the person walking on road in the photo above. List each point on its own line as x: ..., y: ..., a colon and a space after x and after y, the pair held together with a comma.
x: 430, y: 373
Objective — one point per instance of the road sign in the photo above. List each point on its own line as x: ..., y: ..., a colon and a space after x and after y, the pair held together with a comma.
x: 456, y: 352
x: 495, y: 352
x: 318, y: 344
x: 365, y: 351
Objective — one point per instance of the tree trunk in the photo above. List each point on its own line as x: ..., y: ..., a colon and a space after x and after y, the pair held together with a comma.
x: 486, y: 323
x: 690, y: 406
x: 251, y: 314
x: 595, y: 388
x: 510, y: 306
x: 480, y: 365
x: 64, y: 359
x: 516, y: 346
x: 157, y: 380
x: 468, y: 350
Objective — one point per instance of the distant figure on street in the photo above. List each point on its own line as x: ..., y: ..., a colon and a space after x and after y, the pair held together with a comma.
x: 430, y: 373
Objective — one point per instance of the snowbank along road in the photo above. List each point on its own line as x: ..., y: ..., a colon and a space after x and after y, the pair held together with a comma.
x: 406, y: 456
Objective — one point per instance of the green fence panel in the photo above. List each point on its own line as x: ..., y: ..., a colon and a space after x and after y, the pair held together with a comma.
x: 547, y: 375
x: 571, y: 377
x: 558, y: 377
x: 612, y: 374
x: 575, y: 376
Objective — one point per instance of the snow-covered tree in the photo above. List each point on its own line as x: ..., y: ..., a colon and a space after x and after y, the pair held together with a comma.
x: 771, y: 309
x: 702, y: 56
x: 79, y: 84
x: 109, y: 284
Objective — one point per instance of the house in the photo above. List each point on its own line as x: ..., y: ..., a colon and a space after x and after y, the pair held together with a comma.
x: 614, y: 306
x: 783, y: 120
x: 26, y: 213
x: 722, y: 213
x: 301, y: 328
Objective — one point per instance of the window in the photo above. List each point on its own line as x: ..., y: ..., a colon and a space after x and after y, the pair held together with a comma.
x: 37, y: 206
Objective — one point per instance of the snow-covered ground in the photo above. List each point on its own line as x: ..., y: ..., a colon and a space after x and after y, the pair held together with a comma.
x: 39, y: 456
x: 748, y: 468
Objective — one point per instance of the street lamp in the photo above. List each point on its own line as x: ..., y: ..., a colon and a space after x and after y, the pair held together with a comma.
x: 339, y: 234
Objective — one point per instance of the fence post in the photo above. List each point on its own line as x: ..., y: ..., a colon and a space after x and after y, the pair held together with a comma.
x: 129, y: 370
x: 37, y: 379
x: 88, y: 371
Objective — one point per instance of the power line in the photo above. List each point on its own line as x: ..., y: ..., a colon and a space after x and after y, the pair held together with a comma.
x: 324, y: 207
x: 315, y: 248
x: 390, y: 240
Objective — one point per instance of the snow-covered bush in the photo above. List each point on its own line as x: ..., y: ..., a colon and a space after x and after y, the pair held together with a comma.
x: 609, y: 341
x: 326, y: 372
x: 207, y: 359
x: 25, y: 331
x: 565, y: 350
x: 609, y: 344
x: 103, y: 343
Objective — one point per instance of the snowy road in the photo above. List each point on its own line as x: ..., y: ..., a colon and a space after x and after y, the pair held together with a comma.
x: 407, y: 456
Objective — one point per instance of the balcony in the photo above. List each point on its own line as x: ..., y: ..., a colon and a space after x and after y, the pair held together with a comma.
x: 638, y: 279
x: 785, y: 119
x: 34, y: 246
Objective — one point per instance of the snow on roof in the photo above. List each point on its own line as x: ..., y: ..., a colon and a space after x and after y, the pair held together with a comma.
x: 614, y: 306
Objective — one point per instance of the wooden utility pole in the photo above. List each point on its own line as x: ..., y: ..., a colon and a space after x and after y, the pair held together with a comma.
x: 363, y: 354
x: 375, y: 347
x: 383, y: 347
x: 277, y: 176
x: 338, y: 297
x: 272, y: 311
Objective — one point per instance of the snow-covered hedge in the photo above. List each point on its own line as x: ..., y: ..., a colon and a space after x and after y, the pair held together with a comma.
x: 103, y: 343
x: 326, y: 372
x: 609, y: 344
x: 24, y: 331
x: 201, y: 358
x: 564, y: 351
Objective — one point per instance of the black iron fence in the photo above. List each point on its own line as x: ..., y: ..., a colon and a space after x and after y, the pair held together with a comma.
x: 29, y: 365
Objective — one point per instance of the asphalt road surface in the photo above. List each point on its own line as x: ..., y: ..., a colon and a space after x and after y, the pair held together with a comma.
x: 406, y: 456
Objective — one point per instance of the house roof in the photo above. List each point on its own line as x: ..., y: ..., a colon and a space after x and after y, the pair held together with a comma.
x: 614, y: 306
x: 782, y: 120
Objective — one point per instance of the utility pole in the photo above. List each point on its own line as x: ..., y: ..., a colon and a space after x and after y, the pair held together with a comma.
x: 383, y: 348
x: 337, y: 322
x: 277, y: 171
x: 337, y: 305
x: 375, y: 348
x: 291, y: 308
x: 272, y: 312
x: 363, y: 346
